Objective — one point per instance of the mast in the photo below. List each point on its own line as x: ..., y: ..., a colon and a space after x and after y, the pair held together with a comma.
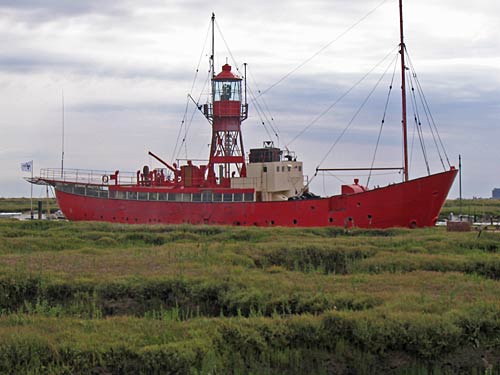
x: 245, y: 72
x: 403, y: 91
x: 213, y: 47
x: 62, y: 137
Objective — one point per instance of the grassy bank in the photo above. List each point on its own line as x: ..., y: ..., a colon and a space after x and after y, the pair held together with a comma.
x: 106, y: 298
x: 481, y: 209
x: 24, y: 204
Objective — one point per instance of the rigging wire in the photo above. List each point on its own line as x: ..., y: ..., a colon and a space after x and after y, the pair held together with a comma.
x: 272, y: 123
x: 418, y: 123
x: 260, y: 112
x: 340, y: 98
x: 262, y: 116
x: 429, y: 116
x: 195, y: 110
x: 352, y: 119
x: 426, y: 112
x: 412, y: 147
x: 330, y: 174
x: 343, y: 181
x: 227, y: 47
x: 383, y: 119
x: 261, y: 93
x: 338, y: 37
x: 174, y: 153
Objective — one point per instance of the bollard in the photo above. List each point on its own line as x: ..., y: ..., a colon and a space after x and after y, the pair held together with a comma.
x: 39, y: 210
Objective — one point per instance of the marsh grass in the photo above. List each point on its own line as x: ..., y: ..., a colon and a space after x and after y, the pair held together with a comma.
x: 482, y: 209
x: 23, y: 204
x: 100, y: 297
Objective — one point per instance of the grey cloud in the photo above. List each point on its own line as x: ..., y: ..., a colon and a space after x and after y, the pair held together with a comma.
x: 57, y: 63
x: 149, y: 106
x: 43, y: 10
x: 27, y: 63
x: 464, y: 99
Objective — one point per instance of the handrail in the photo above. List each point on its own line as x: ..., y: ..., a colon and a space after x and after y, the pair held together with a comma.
x: 87, y: 176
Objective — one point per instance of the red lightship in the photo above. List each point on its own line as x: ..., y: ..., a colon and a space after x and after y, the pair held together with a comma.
x: 267, y: 189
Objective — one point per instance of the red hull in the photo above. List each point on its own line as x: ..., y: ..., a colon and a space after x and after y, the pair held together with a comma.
x: 415, y: 203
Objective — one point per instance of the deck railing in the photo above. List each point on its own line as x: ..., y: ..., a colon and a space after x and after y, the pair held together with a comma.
x: 86, y: 176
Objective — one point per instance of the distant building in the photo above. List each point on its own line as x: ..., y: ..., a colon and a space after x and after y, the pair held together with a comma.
x: 495, y: 194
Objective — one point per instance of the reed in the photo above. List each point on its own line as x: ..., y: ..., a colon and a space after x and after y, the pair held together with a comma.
x: 110, y: 298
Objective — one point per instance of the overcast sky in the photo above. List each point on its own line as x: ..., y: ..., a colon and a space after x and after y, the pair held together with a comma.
x: 126, y: 68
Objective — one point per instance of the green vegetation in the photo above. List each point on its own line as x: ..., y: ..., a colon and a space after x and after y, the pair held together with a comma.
x: 99, y: 298
x: 483, y: 209
x: 24, y: 204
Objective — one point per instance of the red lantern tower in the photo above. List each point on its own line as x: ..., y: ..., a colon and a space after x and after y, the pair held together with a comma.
x: 226, y: 113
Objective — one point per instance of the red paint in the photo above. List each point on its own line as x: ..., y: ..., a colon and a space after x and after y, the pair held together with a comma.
x: 412, y: 203
x: 415, y: 203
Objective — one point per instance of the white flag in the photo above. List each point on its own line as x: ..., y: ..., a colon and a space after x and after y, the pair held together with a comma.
x: 27, y: 167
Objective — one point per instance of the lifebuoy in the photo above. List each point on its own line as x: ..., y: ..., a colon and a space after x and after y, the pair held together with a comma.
x: 105, y: 179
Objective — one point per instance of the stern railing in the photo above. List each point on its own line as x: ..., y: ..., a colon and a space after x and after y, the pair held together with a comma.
x: 87, y: 176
